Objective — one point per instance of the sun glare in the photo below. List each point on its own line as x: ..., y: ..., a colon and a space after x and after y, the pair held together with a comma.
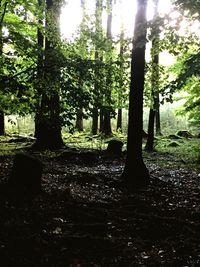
x: 123, y: 12
x: 70, y: 18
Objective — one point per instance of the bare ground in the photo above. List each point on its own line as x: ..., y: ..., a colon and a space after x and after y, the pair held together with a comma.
x: 83, y: 219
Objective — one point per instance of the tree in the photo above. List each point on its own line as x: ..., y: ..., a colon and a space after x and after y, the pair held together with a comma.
x: 135, y: 173
x: 3, y: 6
x: 121, y: 82
x: 188, y: 64
x: 48, y: 132
x: 98, y: 57
x: 154, y: 107
x: 192, y: 5
x: 79, y: 112
x: 106, y: 127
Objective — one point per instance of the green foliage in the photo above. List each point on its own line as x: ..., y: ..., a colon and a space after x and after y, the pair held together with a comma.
x: 192, y: 101
x: 191, y: 5
x: 187, y: 151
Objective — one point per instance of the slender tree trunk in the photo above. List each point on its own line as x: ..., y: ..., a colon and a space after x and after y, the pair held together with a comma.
x: 154, y: 84
x: 121, y: 81
x: 2, y: 14
x: 101, y: 119
x: 79, y: 120
x: 94, y: 121
x: 107, y: 129
x: 158, y: 125
x: 119, y: 119
x: 135, y: 173
x: 2, y: 124
x: 107, y: 122
x: 96, y: 92
x: 150, y: 136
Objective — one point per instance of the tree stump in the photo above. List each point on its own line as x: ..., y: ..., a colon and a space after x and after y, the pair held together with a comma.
x: 25, y: 177
x: 115, y: 147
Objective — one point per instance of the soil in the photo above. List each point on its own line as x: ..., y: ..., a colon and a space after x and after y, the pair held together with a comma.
x: 83, y: 218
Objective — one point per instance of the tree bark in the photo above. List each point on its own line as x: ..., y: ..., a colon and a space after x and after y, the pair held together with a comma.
x: 150, y: 137
x: 2, y: 124
x: 94, y: 121
x: 119, y: 119
x: 48, y: 125
x: 135, y: 173
x: 121, y: 81
x: 101, y: 119
x: 107, y: 129
x: 154, y: 84
x: 40, y: 76
x: 158, y: 125
x: 96, y: 92
x: 79, y: 120
x: 2, y: 12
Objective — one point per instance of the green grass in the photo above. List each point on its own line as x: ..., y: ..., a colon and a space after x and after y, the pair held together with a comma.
x: 86, y: 140
x: 188, y: 150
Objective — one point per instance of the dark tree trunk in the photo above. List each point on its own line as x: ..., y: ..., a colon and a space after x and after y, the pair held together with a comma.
x: 101, y: 120
x: 158, y: 125
x: 3, y: 11
x: 79, y: 120
x: 48, y: 134
x: 150, y: 137
x: 154, y: 84
x: 107, y: 122
x: 94, y: 121
x: 2, y: 124
x: 40, y: 76
x: 48, y: 123
x: 107, y: 129
x: 135, y: 173
x: 119, y: 119
x: 121, y: 82
x: 98, y: 57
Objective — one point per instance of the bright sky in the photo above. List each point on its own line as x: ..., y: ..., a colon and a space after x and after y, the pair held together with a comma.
x: 71, y: 15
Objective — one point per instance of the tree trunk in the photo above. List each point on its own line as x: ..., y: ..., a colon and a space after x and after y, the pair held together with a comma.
x: 3, y: 11
x: 79, y: 120
x: 135, y: 173
x: 107, y: 122
x: 158, y: 125
x: 96, y: 92
x: 48, y: 125
x: 150, y: 137
x: 154, y: 83
x: 101, y: 119
x: 107, y: 129
x: 94, y: 121
x: 2, y: 124
x: 119, y: 119
x: 40, y: 76
x: 121, y: 81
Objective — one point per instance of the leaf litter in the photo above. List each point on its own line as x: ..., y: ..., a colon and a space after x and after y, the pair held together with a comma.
x: 82, y: 218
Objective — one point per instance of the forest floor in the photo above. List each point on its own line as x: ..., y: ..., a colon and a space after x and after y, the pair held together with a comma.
x: 83, y: 219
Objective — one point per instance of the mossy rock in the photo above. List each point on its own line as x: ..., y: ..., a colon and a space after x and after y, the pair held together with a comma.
x: 184, y: 134
x: 174, y: 136
x: 173, y: 144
